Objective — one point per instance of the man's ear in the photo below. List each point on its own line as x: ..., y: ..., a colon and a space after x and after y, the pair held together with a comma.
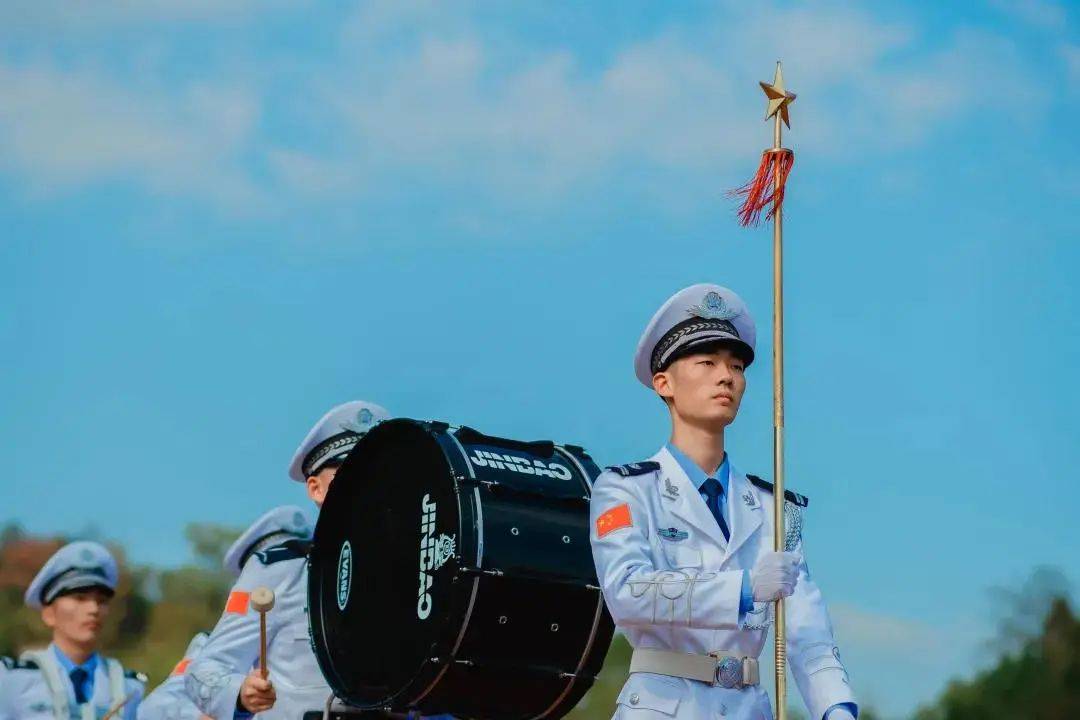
x: 48, y: 616
x: 313, y: 489
x: 661, y: 383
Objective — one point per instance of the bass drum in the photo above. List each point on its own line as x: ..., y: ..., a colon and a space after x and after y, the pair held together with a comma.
x: 451, y: 573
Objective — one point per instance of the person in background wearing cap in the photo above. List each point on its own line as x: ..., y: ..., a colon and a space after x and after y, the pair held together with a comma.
x: 683, y: 543
x: 221, y: 680
x: 70, y: 680
x: 169, y: 701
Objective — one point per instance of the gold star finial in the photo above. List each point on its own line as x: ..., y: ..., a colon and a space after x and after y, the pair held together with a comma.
x: 779, y: 98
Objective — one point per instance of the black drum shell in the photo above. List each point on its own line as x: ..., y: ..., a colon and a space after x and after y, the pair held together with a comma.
x: 516, y: 627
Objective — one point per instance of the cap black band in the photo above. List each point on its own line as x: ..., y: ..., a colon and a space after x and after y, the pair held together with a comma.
x: 333, y: 445
x: 686, y: 334
x: 91, y: 575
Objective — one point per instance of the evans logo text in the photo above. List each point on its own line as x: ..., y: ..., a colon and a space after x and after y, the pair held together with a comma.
x: 344, y: 575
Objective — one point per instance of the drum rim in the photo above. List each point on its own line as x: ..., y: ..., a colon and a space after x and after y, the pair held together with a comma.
x: 478, y: 515
x: 433, y: 430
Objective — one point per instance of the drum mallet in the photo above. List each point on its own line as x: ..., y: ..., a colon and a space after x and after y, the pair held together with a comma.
x: 262, y: 599
x: 117, y: 707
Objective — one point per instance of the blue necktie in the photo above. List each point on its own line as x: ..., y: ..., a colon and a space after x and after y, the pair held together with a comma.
x: 78, y: 680
x: 715, y: 492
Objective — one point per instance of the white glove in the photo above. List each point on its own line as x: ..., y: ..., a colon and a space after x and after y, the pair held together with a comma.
x: 840, y: 713
x: 774, y: 576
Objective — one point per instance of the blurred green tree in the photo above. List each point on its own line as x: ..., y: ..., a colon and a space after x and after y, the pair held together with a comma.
x: 1039, y: 677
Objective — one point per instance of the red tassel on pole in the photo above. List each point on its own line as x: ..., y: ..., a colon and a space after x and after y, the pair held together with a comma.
x: 766, y: 190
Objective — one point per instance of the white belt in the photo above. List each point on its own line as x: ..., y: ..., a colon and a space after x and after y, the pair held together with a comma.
x: 729, y: 671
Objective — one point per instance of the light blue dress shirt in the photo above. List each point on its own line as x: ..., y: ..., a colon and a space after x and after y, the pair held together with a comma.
x: 90, y: 666
x: 697, y: 478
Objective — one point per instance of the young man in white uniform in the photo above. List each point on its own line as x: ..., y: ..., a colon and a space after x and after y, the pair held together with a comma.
x: 683, y: 543
x: 70, y: 680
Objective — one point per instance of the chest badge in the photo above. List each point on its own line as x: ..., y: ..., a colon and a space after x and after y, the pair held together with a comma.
x: 673, y: 534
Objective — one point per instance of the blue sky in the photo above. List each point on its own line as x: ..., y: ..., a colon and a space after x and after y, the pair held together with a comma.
x: 220, y: 218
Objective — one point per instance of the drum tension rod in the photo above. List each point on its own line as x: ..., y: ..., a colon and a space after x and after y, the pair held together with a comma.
x: 472, y: 482
x: 470, y: 570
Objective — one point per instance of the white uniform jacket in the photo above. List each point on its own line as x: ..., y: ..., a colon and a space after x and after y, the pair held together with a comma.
x: 214, y: 677
x: 672, y: 582
x: 169, y: 700
x: 36, y: 687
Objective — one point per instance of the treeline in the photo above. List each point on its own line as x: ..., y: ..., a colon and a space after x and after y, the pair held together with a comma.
x: 1037, y: 675
x: 156, y: 612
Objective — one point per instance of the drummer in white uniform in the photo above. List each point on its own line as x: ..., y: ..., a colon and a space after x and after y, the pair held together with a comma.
x: 71, y: 680
x: 683, y: 542
x: 221, y: 680
x: 169, y: 701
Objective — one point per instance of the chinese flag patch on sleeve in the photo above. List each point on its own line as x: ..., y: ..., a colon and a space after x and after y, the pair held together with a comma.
x: 181, y: 667
x: 614, y: 519
x: 238, y: 602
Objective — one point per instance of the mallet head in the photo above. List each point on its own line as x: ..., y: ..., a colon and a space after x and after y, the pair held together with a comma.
x: 262, y: 599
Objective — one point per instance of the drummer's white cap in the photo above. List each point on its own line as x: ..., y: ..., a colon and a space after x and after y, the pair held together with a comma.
x: 274, y: 527
x: 80, y: 565
x: 692, y: 318
x: 334, y: 436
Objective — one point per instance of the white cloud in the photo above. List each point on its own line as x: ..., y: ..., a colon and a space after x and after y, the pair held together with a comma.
x: 448, y: 105
x: 1070, y: 54
x: 883, y: 634
x: 545, y: 127
x: 62, y: 16
x: 415, y: 91
x: 1037, y: 13
x: 307, y: 175
x: 65, y: 129
x: 977, y: 76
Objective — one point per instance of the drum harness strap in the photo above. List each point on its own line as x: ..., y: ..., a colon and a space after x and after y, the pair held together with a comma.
x: 716, y: 669
x: 50, y: 670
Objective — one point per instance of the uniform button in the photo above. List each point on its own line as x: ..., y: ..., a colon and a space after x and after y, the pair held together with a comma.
x: 634, y: 699
x: 723, y: 710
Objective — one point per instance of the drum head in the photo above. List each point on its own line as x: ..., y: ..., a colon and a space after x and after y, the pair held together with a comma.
x: 385, y: 551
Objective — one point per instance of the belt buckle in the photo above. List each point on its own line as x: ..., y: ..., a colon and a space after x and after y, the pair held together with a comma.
x: 729, y: 671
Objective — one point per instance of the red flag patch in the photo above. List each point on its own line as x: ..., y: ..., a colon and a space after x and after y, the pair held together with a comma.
x: 181, y: 666
x: 614, y: 519
x: 238, y: 602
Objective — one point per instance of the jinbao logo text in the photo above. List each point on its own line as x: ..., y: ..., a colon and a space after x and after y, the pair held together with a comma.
x: 434, y: 552
x: 344, y: 575
x: 483, y: 458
